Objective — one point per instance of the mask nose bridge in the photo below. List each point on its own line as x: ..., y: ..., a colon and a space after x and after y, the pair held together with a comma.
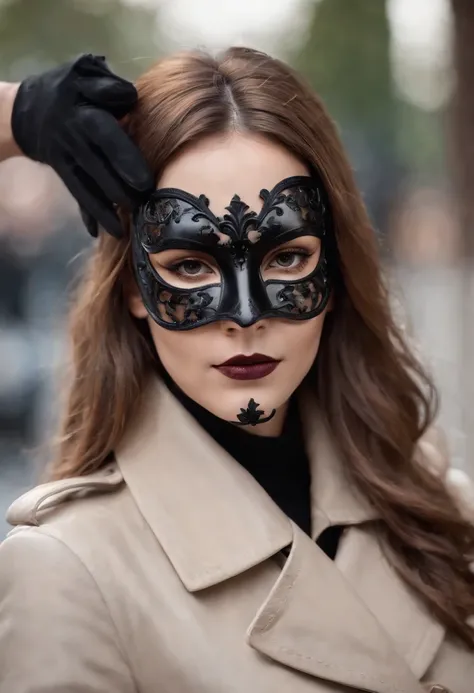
x: 245, y: 296
x: 245, y: 313
x: 244, y: 299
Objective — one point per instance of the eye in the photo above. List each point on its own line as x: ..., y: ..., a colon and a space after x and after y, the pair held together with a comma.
x: 290, y: 259
x: 191, y: 268
x: 186, y: 269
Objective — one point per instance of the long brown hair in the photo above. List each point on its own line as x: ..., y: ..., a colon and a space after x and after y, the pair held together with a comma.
x: 377, y: 399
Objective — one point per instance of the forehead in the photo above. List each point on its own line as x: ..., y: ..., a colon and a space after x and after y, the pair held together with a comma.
x: 234, y: 163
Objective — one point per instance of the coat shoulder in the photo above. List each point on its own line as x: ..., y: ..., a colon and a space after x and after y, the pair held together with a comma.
x: 39, y: 505
x: 56, y: 618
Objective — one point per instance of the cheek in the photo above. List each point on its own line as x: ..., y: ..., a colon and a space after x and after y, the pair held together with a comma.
x: 168, y: 343
x: 182, y: 353
x: 301, y: 340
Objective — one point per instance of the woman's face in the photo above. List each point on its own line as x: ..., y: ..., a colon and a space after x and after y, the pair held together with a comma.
x: 220, y: 167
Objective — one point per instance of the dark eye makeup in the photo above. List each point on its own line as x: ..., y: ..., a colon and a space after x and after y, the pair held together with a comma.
x: 188, y: 268
x: 279, y: 260
x: 193, y: 268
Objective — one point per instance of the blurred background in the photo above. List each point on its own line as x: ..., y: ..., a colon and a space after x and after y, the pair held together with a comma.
x: 396, y: 76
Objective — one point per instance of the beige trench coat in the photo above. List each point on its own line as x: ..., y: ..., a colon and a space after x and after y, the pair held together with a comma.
x: 164, y: 574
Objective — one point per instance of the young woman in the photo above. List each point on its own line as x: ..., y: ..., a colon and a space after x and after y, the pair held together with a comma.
x: 248, y: 495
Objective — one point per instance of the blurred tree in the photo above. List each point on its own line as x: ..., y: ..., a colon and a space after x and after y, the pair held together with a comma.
x: 37, y: 35
x: 347, y: 60
x: 346, y: 57
x: 463, y: 112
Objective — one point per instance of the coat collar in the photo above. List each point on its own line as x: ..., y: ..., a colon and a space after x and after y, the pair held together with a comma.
x: 334, y: 499
x: 212, y: 518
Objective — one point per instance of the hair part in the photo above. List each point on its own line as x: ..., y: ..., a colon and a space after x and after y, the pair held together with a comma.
x: 378, y: 402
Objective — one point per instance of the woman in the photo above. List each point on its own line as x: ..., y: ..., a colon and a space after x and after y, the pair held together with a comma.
x: 247, y: 495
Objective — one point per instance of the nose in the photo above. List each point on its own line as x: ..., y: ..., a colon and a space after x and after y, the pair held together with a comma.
x: 234, y: 325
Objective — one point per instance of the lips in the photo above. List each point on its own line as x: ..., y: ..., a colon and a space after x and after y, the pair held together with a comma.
x: 244, y: 367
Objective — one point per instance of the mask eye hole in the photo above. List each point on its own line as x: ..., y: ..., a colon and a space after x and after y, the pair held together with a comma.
x: 186, y: 269
x: 295, y: 259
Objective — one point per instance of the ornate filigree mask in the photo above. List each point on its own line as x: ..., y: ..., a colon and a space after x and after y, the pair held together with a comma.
x: 238, y: 242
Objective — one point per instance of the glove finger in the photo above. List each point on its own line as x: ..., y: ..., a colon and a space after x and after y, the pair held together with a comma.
x: 102, y: 87
x: 109, y: 92
x: 90, y: 197
x: 91, y: 160
x: 121, y: 152
x: 89, y: 222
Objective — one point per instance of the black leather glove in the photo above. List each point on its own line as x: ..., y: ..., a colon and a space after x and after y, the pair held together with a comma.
x: 68, y: 118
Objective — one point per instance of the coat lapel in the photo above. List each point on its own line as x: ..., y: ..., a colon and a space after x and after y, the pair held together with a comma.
x: 415, y: 633
x: 211, y: 517
x: 314, y: 621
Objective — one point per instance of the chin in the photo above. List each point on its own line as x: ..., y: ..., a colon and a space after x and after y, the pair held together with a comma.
x: 266, y: 397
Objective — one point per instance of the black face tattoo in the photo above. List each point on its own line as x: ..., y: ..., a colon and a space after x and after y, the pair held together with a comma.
x: 237, y: 242
x: 252, y: 415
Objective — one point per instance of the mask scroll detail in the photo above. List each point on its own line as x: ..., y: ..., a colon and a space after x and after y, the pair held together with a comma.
x: 237, y: 242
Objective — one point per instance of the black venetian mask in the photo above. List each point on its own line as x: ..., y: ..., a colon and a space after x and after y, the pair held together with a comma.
x: 237, y: 242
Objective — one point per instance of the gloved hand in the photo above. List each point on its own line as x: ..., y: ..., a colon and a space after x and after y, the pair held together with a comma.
x: 68, y: 118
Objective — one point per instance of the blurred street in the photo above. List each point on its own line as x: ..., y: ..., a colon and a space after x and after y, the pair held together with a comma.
x: 17, y: 477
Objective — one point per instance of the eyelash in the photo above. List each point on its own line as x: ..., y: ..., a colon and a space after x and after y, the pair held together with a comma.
x: 187, y: 277
x: 305, y: 255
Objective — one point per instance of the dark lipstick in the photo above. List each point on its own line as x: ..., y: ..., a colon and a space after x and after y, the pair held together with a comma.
x: 252, y: 367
